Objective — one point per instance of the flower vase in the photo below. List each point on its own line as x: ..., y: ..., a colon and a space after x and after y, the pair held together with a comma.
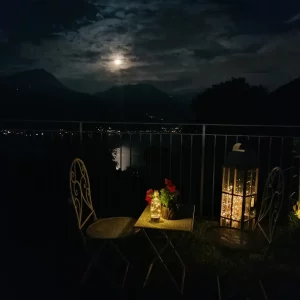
x: 168, y: 213
x: 155, y: 208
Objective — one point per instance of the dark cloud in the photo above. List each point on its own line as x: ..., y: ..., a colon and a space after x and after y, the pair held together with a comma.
x: 209, y: 54
x: 261, y: 17
x: 34, y: 19
x: 174, y: 44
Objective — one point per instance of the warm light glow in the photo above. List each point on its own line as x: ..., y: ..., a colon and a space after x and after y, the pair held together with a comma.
x: 155, y: 208
x: 232, y: 197
x: 296, y: 209
x: 237, y: 207
x: 118, y: 61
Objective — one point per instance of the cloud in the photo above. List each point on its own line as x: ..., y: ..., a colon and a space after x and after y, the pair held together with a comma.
x: 29, y: 20
x: 294, y: 18
x: 179, y: 44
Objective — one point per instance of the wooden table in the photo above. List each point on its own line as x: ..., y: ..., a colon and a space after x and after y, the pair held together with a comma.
x: 184, y: 223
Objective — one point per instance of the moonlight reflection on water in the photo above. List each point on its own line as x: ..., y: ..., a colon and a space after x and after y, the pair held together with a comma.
x: 126, y: 157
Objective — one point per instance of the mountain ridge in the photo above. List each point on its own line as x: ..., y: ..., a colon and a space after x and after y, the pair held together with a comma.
x: 36, y: 76
x: 291, y: 88
x: 140, y: 102
x: 38, y: 94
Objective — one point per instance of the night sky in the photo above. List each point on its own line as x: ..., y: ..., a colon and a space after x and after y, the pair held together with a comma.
x: 179, y: 46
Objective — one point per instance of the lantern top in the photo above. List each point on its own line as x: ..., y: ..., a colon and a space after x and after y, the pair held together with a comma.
x: 241, y: 158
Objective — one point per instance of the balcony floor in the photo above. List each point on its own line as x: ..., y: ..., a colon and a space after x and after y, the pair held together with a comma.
x: 53, y: 268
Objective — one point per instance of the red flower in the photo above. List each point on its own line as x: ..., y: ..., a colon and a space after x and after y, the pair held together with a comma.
x: 150, y: 191
x: 171, y: 188
x: 148, y: 199
x: 149, y: 195
x: 168, y: 182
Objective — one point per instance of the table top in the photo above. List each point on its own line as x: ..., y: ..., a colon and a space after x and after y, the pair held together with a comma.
x: 112, y: 228
x: 184, y: 222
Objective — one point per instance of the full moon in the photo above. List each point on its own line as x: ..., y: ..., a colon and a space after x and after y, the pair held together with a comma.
x: 118, y: 61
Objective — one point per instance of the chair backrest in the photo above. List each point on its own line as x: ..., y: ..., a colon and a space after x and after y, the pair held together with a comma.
x: 271, y: 204
x: 81, y: 193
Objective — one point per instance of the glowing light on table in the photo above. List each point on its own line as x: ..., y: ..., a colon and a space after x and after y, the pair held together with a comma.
x: 155, y: 207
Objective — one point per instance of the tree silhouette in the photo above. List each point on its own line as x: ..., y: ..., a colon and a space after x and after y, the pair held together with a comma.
x: 233, y: 101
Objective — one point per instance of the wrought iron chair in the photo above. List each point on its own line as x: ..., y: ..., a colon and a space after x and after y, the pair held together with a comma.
x: 107, y: 231
x: 258, y: 241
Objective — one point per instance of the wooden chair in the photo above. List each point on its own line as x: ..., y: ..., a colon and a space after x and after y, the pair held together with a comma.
x: 107, y: 231
x: 258, y: 241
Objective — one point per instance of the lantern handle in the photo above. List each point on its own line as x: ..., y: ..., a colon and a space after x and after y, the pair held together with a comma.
x: 236, y: 147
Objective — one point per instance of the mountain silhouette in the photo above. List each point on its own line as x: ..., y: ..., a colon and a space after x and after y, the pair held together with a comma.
x: 237, y: 102
x: 37, y: 94
x: 284, y: 103
x: 37, y: 79
x: 289, y: 90
x: 143, y: 102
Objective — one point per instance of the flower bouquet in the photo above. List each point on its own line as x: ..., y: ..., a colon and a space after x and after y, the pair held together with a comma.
x: 167, y: 197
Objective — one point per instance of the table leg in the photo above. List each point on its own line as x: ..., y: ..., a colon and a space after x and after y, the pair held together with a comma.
x: 168, y: 242
x: 154, y: 260
x: 219, y: 288
x: 179, y: 258
x: 263, y: 290
x: 158, y: 256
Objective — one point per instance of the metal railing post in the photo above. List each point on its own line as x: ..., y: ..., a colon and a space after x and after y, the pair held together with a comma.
x: 202, y: 169
x: 299, y: 180
x: 80, y: 132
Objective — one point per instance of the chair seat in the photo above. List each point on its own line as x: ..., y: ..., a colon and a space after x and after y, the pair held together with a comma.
x: 235, y: 239
x: 112, y: 228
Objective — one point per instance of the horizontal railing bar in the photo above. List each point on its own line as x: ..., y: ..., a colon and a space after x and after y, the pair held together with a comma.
x: 246, y: 196
x: 39, y: 121
x: 150, y: 123
x: 157, y: 133
x: 51, y: 130
x: 251, y: 136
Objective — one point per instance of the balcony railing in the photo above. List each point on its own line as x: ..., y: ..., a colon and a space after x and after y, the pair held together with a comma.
x: 190, y: 154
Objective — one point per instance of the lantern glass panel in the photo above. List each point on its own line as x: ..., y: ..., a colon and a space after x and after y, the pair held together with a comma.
x: 239, y: 194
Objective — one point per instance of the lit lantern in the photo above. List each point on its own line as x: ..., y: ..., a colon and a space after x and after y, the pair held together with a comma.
x: 239, y: 189
x: 155, y: 207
